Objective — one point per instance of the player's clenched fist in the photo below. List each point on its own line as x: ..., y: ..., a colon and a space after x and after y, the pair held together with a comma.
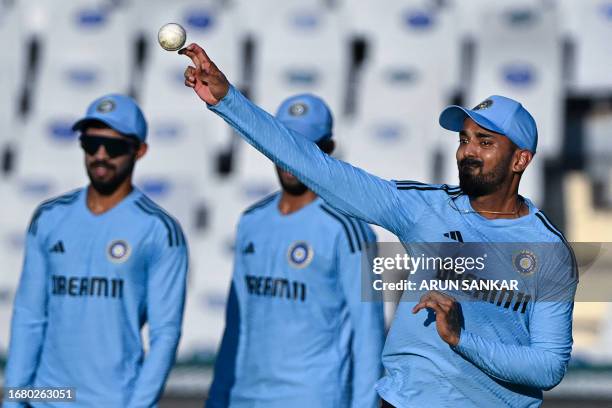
x: 448, y: 314
x: 205, y: 78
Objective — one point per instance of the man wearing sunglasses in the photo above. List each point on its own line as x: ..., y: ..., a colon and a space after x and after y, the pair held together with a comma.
x: 100, y: 262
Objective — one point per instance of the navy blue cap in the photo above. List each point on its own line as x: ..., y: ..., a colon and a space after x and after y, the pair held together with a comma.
x: 119, y: 112
x: 498, y: 114
x: 307, y: 115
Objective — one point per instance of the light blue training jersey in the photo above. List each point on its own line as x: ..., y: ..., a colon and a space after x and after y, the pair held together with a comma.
x: 89, y: 283
x: 297, y: 332
x: 505, y: 357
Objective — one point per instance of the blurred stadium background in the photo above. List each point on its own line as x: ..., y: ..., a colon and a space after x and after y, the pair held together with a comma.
x: 386, y: 68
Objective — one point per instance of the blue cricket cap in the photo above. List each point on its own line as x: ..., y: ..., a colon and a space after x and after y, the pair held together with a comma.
x: 119, y: 112
x: 497, y: 114
x: 307, y: 115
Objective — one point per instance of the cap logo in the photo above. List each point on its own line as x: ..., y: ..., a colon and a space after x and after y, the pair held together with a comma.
x: 483, y: 105
x: 298, y: 109
x: 105, y: 106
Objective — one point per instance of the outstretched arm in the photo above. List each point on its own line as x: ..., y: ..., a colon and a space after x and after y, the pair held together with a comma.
x: 345, y: 187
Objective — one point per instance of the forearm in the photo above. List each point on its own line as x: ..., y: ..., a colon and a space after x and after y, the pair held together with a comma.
x: 345, y: 187
x: 156, y: 367
x: 525, y: 365
x: 26, y: 342
x: 367, y: 368
x: 225, y: 365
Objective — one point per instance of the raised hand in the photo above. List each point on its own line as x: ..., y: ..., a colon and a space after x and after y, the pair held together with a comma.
x: 448, y: 315
x: 205, y: 78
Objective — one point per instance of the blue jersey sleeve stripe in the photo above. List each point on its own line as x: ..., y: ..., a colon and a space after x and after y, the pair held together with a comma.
x: 344, y: 226
x: 161, y: 217
x: 411, y: 182
x: 358, y: 237
x: 175, y: 225
x: 151, y: 206
x: 261, y: 203
x: 427, y: 187
x: 176, y: 229
x: 364, y: 233
x: 47, y: 205
x: 551, y: 227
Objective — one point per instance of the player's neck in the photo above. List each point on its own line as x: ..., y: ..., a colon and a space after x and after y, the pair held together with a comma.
x: 100, y: 203
x: 504, y: 203
x: 290, y: 203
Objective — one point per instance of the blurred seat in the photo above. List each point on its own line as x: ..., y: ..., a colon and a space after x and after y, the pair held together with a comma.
x: 588, y: 25
x: 314, y: 56
x: 391, y: 147
x: 252, y: 14
x: 49, y: 148
x: 12, y: 67
x: 414, y: 32
x: 408, y: 77
x: 86, y: 51
x: 598, y: 151
x: 184, y: 138
x: 584, y: 222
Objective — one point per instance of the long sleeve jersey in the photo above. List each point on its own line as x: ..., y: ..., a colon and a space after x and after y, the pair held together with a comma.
x: 89, y: 283
x: 298, y: 333
x: 505, y: 357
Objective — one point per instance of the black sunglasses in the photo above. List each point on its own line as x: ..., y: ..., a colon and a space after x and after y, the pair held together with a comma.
x: 114, y: 147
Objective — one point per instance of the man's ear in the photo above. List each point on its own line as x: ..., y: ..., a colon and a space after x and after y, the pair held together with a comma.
x: 522, y: 159
x: 142, y: 150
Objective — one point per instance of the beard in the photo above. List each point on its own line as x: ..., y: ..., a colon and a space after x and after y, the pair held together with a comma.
x: 292, y: 187
x: 475, y: 183
x: 109, y: 186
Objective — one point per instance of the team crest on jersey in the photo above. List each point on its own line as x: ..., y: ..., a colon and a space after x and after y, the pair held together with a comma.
x: 118, y: 251
x: 300, y: 254
x: 105, y: 106
x: 525, y: 262
x: 483, y: 105
x: 298, y: 109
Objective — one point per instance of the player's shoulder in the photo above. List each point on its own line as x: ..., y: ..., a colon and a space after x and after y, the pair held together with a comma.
x: 355, y: 232
x: 168, y: 226
x: 555, y: 245
x: 52, y: 209
x: 259, y: 207
x: 547, y: 231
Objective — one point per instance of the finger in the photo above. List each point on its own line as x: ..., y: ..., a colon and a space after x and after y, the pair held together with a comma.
x: 440, y: 312
x: 190, y: 72
x: 428, y: 304
x: 196, y: 53
x: 190, y: 84
x: 191, y: 54
x: 441, y: 298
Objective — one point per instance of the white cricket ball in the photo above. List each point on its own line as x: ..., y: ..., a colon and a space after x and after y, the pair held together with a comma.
x: 172, y: 37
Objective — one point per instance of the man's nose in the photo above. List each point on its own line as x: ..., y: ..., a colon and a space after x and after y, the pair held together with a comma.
x: 101, y: 153
x: 470, y: 149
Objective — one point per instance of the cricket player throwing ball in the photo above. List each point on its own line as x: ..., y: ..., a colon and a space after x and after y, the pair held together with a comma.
x: 478, y: 353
